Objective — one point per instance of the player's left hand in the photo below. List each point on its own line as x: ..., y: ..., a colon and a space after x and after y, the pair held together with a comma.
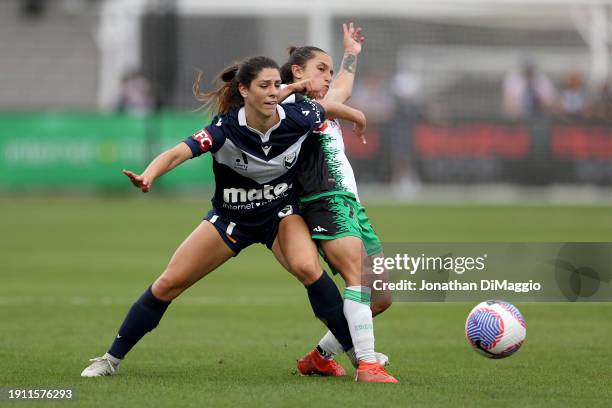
x: 352, y: 38
x: 139, y: 181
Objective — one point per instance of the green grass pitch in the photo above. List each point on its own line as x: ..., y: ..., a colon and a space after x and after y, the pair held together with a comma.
x: 70, y: 268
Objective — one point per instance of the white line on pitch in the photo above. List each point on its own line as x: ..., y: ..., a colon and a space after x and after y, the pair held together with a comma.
x: 112, y: 301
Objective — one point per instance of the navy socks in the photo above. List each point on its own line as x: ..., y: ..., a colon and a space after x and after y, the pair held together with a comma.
x: 143, y: 316
x: 327, y: 304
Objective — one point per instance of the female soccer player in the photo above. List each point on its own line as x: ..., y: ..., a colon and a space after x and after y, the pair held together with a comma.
x: 254, y: 199
x: 335, y: 218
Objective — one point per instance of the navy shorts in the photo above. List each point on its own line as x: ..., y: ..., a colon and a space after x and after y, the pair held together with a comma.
x: 238, y: 236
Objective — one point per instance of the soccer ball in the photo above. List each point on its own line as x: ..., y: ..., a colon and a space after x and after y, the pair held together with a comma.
x: 495, y: 329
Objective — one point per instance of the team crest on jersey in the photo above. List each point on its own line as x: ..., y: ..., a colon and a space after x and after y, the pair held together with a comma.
x: 288, y: 210
x: 290, y: 160
x: 242, y: 163
x: 204, y: 139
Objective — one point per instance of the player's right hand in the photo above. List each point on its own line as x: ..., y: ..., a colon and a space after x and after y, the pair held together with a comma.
x: 140, y: 181
x: 359, y: 129
x: 304, y: 86
x: 353, y: 39
x: 313, y: 88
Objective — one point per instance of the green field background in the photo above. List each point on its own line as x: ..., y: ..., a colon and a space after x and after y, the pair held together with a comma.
x: 71, y: 267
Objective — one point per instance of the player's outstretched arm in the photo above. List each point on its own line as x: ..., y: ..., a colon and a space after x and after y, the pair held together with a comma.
x: 342, y: 86
x: 159, y: 166
x: 337, y: 110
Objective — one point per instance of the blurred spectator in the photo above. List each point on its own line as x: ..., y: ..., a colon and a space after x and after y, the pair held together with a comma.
x: 528, y: 93
x: 601, y: 107
x: 373, y: 96
x: 407, y: 91
x: 407, y: 87
x: 573, y: 95
x: 137, y: 97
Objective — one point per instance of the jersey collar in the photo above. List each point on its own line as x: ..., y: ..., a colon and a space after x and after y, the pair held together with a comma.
x: 264, y: 137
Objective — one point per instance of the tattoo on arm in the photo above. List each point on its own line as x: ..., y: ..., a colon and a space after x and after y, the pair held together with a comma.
x: 349, y: 63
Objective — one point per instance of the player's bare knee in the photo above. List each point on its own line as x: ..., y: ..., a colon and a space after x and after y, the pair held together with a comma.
x: 167, y: 288
x: 307, y: 271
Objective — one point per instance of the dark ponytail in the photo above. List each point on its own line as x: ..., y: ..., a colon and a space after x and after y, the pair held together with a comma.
x: 227, y: 96
x: 297, y: 56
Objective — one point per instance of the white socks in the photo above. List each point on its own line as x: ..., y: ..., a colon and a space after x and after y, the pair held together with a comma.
x: 359, y: 316
x: 330, y: 345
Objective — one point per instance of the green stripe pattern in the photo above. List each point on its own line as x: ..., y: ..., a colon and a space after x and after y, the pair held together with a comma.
x: 331, y: 154
x: 357, y: 296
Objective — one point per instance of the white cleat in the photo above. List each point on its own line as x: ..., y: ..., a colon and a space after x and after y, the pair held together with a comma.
x: 381, y: 359
x: 100, y: 366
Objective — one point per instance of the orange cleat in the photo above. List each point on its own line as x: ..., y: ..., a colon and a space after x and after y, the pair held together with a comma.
x: 373, y: 372
x: 314, y: 364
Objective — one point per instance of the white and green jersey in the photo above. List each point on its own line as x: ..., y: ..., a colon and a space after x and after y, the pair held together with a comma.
x: 324, y: 168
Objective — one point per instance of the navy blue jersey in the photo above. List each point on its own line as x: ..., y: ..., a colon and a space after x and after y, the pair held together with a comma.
x: 254, y: 172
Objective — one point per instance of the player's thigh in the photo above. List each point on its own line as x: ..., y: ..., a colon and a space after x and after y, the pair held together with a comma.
x: 297, y: 249
x: 199, y: 254
x: 346, y: 255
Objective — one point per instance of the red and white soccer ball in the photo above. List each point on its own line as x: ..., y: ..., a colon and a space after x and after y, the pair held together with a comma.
x: 495, y: 329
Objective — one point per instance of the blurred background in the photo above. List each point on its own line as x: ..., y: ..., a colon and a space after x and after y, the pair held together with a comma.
x: 467, y: 99
x: 481, y: 114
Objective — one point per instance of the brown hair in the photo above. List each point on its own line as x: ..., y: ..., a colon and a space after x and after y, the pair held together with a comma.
x: 227, y: 97
x: 297, y: 56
